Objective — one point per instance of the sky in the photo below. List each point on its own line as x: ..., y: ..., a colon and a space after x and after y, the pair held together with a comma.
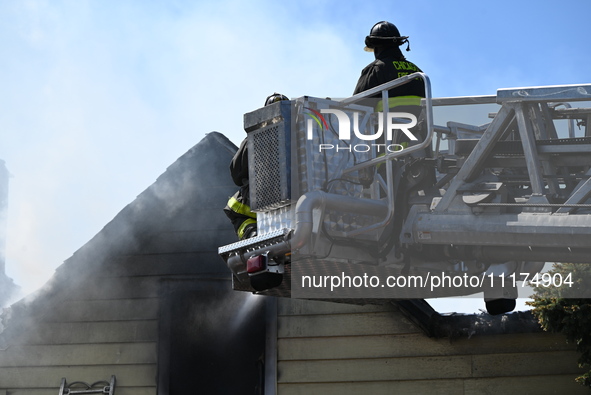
x: 98, y: 98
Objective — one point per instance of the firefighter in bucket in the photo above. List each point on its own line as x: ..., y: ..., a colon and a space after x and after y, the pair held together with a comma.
x: 238, y: 206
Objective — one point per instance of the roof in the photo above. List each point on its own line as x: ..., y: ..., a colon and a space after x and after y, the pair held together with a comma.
x: 438, y: 325
x: 179, y: 215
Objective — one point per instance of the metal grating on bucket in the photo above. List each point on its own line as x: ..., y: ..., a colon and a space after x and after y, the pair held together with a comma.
x: 270, y: 187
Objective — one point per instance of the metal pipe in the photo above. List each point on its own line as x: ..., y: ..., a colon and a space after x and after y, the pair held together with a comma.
x: 304, y: 221
x: 428, y: 118
x: 523, y: 230
x: 542, y: 254
x: 325, y: 201
x: 571, y: 122
x: 391, y: 208
x: 387, y: 86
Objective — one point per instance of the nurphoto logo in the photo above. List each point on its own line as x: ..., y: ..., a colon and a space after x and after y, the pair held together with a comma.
x: 394, y: 121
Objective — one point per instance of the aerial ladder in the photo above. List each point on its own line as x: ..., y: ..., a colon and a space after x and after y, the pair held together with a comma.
x: 362, y: 204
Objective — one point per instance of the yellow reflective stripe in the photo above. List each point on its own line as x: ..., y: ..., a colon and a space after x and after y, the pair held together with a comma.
x: 240, y: 208
x: 400, y: 101
x: 242, y: 227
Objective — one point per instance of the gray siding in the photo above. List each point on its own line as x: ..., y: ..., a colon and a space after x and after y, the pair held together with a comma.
x: 88, y: 334
x: 328, y: 348
x: 99, y: 314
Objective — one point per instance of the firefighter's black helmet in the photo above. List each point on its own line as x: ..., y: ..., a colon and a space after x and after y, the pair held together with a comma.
x: 275, y: 97
x: 384, y: 34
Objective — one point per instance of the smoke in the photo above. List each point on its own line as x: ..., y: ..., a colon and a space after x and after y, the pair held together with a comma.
x: 101, y: 99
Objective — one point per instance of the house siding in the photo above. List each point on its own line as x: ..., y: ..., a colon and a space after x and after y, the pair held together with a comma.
x: 100, y: 314
x: 330, y: 348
